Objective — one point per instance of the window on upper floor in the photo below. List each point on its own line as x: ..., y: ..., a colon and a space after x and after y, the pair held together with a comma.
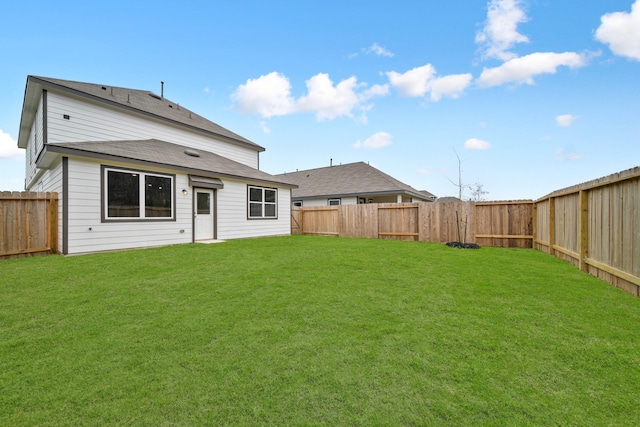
x: 130, y: 195
x: 334, y: 202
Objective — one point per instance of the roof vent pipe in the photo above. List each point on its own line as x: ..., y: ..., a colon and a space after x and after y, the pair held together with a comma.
x: 162, y: 90
x: 330, y: 162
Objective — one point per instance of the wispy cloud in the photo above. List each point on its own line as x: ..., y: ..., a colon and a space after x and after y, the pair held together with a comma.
x: 500, y: 32
x: 265, y: 127
x: 522, y: 70
x: 377, y: 140
x: 378, y: 50
x: 9, y: 147
x: 564, y: 155
x: 621, y: 31
x: 566, y: 120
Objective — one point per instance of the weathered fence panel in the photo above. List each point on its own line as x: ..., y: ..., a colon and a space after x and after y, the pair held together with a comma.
x: 28, y: 224
x: 595, y: 226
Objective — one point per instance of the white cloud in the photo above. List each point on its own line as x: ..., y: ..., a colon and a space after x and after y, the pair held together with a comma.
x: 423, y: 171
x: 414, y: 82
x: 378, y: 50
x: 377, y: 140
x: 452, y: 86
x: 476, y: 144
x: 374, y: 91
x: 268, y: 95
x: 422, y: 80
x: 524, y: 69
x: 329, y: 101
x: 9, y: 147
x: 621, y: 31
x: 500, y: 32
x: 565, y: 120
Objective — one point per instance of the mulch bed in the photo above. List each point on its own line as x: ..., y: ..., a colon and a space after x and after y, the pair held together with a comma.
x: 461, y: 245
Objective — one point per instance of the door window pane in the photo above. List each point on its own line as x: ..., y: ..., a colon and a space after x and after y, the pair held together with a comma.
x: 203, y: 203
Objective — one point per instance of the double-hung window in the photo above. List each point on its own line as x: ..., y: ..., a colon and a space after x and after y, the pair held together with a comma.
x: 262, y: 202
x: 137, y: 195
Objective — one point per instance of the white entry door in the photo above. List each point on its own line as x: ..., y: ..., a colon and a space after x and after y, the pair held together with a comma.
x: 203, y: 214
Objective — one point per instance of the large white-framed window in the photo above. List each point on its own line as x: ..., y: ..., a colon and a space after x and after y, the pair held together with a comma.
x: 262, y: 202
x: 135, y: 195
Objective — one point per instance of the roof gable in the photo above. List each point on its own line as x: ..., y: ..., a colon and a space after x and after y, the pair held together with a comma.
x: 134, y: 100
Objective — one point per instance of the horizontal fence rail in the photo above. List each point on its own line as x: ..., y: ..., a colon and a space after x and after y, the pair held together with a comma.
x: 28, y: 224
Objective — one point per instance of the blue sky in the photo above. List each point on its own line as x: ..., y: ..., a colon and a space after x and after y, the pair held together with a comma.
x: 532, y: 95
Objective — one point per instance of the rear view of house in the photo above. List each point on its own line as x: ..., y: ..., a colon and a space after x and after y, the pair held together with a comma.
x: 134, y: 169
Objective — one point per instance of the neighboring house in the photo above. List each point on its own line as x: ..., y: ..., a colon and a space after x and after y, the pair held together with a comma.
x: 134, y: 169
x: 350, y: 184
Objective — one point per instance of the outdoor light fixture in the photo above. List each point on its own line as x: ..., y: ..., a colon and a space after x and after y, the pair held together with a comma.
x: 184, y: 191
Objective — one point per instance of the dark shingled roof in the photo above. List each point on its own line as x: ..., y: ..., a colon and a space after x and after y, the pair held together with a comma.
x: 153, y: 152
x: 141, y: 101
x: 348, y: 180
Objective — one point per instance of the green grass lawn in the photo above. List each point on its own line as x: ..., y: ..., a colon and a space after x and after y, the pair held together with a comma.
x: 305, y: 330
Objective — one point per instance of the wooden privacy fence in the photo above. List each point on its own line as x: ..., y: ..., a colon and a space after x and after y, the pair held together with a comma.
x: 506, y: 224
x: 595, y: 226
x: 28, y: 223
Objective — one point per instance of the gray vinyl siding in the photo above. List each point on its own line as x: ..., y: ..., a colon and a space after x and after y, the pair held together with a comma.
x: 94, y: 122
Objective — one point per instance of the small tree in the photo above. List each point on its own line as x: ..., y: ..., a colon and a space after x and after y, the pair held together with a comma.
x: 477, y: 192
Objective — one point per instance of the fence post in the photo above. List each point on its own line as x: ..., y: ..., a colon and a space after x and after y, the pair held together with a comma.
x: 53, y: 222
x: 584, y: 230
x: 552, y: 225
x: 534, y: 224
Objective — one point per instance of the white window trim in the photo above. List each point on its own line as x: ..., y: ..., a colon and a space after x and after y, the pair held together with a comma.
x: 141, y: 176
x: 339, y: 202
